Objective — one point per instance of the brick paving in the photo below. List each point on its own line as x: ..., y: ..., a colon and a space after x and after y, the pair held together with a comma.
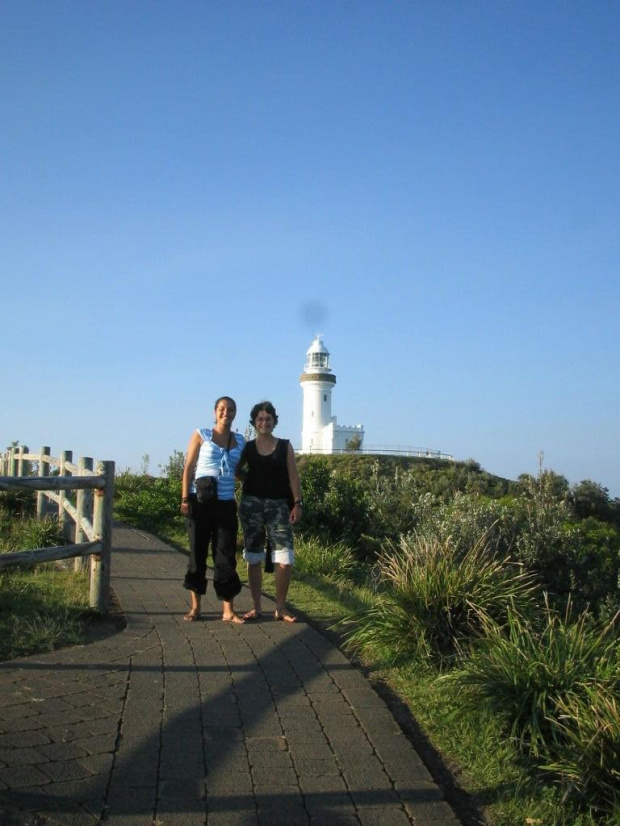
x: 170, y: 723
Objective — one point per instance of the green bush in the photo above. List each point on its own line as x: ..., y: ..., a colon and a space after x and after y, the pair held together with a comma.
x: 149, y: 503
x: 335, y: 506
x: 576, y: 560
x: 467, y: 517
x: 397, y: 504
x: 17, y: 502
x: 434, y: 597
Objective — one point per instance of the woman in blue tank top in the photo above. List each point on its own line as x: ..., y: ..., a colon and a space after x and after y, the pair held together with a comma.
x: 213, y: 454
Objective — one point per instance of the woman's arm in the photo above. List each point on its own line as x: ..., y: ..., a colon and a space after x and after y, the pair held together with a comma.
x: 241, y: 471
x: 293, y: 477
x: 191, y: 457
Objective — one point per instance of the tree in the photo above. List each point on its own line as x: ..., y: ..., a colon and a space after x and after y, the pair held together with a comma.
x: 173, y: 469
x: 354, y: 443
x: 591, y: 499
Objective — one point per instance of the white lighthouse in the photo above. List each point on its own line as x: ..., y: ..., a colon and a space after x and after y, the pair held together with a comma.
x: 321, y: 432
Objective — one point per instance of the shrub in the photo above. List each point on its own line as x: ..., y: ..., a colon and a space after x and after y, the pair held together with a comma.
x: 16, y: 502
x: 577, y: 560
x: 149, y: 503
x: 335, y: 507
x: 435, y: 597
x: 595, y: 565
x: 397, y: 504
x: 467, y: 517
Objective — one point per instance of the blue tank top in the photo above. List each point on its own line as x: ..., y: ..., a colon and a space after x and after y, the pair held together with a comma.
x: 214, y: 460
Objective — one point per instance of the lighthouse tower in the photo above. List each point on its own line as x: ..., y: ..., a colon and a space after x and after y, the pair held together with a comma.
x: 316, y: 382
x: 321, y: 432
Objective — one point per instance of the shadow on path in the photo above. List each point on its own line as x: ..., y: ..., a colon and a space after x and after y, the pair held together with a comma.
x: 174, y: 723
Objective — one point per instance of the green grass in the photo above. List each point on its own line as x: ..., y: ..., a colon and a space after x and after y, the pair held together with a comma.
x: 503, y: 784
x: 41, y: 609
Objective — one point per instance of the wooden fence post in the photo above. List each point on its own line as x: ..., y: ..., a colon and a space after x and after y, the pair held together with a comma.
x: 20, y: 459
x: 12, y: 462
x: 63, y: 516
x: 44, y: 469
x: 102, y: 525
x: 84, y: 507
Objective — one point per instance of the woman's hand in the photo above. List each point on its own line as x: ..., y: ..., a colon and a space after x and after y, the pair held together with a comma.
x: 296, y: 512
x: 185, y: 508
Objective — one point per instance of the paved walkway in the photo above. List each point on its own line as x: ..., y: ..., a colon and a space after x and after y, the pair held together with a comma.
x: 170, y: 723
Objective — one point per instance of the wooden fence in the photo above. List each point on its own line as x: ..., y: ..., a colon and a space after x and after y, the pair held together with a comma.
x: 88, y: 522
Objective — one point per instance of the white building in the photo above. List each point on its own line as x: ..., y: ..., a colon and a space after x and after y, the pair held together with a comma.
x: 321, y: 432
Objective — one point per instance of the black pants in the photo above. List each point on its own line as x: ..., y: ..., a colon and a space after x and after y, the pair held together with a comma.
x: 213, y: 524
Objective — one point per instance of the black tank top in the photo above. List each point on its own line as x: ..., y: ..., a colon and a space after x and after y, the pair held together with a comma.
x: 267, y: 475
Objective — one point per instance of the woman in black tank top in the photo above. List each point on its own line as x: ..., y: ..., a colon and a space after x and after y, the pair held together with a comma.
x: 270, y: 505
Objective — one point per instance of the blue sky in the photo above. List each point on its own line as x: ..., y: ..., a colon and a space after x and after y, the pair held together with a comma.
x: 191, y: 190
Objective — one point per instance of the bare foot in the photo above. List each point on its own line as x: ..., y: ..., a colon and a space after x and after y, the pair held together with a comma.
x: 284, y: 616
x: 234, y: 619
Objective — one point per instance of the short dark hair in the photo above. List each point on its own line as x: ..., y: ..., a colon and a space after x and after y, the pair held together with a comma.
x: 225, y: 399
x: 268, y: 408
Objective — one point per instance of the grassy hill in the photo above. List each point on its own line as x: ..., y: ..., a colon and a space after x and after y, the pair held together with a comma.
x: 441, y: 477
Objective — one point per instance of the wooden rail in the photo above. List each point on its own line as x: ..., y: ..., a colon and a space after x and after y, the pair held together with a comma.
x: 88, y: 522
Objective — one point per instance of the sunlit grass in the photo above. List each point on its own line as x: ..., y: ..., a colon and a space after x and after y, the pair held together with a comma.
x: 41, y: 609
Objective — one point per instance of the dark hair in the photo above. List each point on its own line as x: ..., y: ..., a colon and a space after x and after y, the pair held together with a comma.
x: 268, y: 408
x: 225, y: 399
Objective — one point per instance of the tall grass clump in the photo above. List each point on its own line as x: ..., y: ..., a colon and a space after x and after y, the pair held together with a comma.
x: 588, y: 762
x: 434, y: 596
x: 529, y: 674
x: 335, y: 562
x: 25, y: 532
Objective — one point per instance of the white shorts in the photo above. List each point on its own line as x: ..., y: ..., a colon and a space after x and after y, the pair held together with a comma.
x: 284, y: 557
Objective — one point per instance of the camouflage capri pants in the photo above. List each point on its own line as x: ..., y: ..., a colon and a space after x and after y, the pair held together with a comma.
x: 262, y: 519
